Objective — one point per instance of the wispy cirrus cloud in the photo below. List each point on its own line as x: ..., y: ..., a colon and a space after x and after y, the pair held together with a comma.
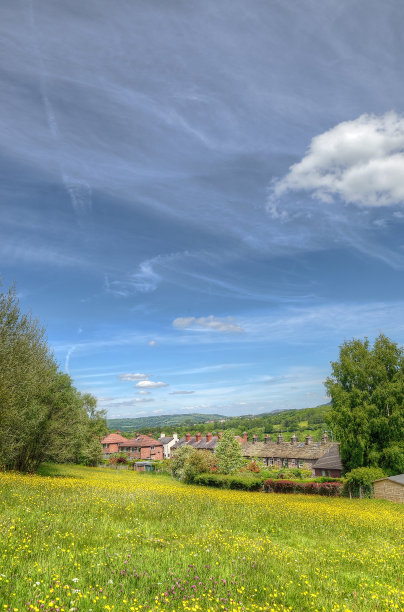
x: 359, y: 161
x: 181, y: 392
x: 211, y: 323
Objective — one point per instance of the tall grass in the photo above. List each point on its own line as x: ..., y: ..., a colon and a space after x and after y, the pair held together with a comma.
x: 100, y: 539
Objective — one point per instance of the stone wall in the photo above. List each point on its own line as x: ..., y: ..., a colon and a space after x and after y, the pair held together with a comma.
x: 388, y: 489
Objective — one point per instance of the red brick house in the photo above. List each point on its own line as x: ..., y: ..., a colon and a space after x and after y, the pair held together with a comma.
x: 142, y: 447
x: 110, y: 444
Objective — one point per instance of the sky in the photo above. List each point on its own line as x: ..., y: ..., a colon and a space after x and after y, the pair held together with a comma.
x: 202, y: 201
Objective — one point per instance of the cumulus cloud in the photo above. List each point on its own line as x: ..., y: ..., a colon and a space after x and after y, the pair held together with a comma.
x: 150, y: 384
x: 211, y: 323
x: 134, y: 376
x: 152, y: 343
x: 359, y: 161
x: 181, y: 392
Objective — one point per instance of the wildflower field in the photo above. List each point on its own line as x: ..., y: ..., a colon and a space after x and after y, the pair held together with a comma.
x: 98, y: 539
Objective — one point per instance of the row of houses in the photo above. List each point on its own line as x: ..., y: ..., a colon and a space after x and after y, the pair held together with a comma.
x: 322, y: 458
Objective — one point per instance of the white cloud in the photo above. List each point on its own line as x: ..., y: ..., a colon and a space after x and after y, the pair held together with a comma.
x: 143, y: 400
x: 150, y: 384
x: 181, y: 392
x: 152, y: 343
x: 359, y: 161
x: 134, y: 376
x: 210, y: 323
x: 142, y: 392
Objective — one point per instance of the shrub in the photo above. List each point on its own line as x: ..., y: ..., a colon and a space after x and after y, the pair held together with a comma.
x: 188, y: 462
x: 359, y: 482
x: 230, y: 481
x: 308, y: 488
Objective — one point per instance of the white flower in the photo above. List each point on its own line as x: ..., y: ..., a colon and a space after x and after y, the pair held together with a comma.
x: 75, y: 579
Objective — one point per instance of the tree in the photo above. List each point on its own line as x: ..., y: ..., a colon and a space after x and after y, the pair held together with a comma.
x: 228, y: 454
x: 366, y: 387
x: 42, y: 416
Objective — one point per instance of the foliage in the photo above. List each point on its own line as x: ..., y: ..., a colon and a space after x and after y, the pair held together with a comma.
x: 313, y: 488
x: 359, y: 482
x: 118, y: 459
x: 367, y: 416
x: 228, y: 454
x: 187, y: 462
x: 42, y: 416
x: 244, y: 482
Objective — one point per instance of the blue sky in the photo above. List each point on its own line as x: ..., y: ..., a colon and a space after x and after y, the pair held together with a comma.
x: 203, y: 200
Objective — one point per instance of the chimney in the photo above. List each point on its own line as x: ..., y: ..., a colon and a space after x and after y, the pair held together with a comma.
x: 162, y: 435
x: 267, y: 439
x: 324, y: 439
x: 175, y: 436
x: 280, y: 439
x: 244, y: 436
x: 137, y: 434
x: 198, y: 436
x: 187, y: 437
x: 308, y: 440
x: 208, y: 437
x: 293, y: 439
x: 255, y: 438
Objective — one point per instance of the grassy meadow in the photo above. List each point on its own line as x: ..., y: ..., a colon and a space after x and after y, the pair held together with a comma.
x: 98, y: 539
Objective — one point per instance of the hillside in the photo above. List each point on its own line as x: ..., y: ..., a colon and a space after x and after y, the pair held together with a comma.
x: 300, y: 421
x: 161, y: 421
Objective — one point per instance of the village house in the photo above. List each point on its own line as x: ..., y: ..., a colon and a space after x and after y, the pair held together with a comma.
x: 391, y: 487
x: 168, y: 442
x: 198, y: 441
x: 110, y: 444
x: 322, y: 458
x: 142, y: 447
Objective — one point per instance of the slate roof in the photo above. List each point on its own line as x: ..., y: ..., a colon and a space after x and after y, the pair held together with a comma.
x: 331, y: 460
x: 285, y: 450
x: 202, y: 444
x: 141, y: 441
x: 165, y: 440
x: 113, y: 438
x: 399, y: 479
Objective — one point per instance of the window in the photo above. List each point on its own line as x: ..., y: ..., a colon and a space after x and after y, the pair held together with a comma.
x: 270, y: 461
x: 293, y: 461
x: 300, y: 463
x: 285, y: 463
x: 152, y: 447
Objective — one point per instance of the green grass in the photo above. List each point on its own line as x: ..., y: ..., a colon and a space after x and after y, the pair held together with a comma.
x: 99, y: 539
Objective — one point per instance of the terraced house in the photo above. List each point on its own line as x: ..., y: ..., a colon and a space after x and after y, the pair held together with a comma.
x: 322, y: 458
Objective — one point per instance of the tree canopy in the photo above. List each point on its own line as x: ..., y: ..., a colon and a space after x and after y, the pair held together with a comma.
x: 42, y: 416
x: 228, y: 454
x: 366, y: 387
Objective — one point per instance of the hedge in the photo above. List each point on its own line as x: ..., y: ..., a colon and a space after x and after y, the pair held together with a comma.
x: 230, y: 481
x: 293, y: 486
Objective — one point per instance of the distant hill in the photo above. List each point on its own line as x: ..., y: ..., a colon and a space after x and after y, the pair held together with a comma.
x: 162, y: 421
x: 301, y: 421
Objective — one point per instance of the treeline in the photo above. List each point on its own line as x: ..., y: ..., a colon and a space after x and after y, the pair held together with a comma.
x: 302, y: 422
x: 42, y: 416
x: 161, y: 422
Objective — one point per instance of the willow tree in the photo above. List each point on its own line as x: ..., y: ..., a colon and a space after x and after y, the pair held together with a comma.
x: 366, y: 387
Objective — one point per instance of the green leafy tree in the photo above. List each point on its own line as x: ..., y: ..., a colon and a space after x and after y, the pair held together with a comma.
x: 42, y: 416
x: 228, y: 454
x: 359, y: 482
x: 367, y: 414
